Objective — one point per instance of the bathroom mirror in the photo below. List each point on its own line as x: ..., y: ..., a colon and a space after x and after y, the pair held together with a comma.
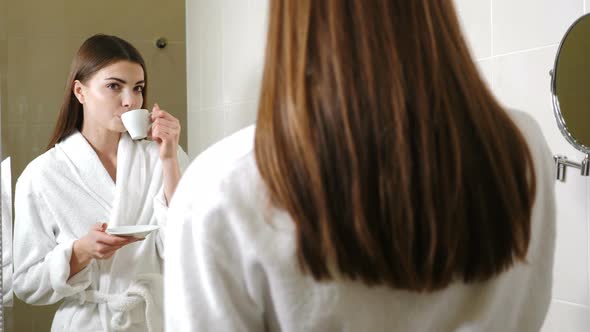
x: 570, y: 85
x: 184, y: 48
x: 570, y: 80
x: 38, y: 40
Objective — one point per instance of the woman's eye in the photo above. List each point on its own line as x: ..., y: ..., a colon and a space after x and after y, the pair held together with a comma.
x: 139, y: 88
x: 113, y: 86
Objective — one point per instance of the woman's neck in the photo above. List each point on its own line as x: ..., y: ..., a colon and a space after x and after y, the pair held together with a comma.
x: 105, y: 143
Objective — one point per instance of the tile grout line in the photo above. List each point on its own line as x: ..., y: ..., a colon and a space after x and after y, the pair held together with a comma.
x: 193, y: 146
x: 215, y: 108
x: 492, y: 39
x: 533, y: 49
x: 573, y: 304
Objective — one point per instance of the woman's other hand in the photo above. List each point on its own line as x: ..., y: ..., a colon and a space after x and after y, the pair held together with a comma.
x: 96, y: 244
x: 166, y: 132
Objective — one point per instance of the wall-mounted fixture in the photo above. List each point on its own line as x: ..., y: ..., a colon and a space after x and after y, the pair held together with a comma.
x: 570, y: 92
x: 161, y: 43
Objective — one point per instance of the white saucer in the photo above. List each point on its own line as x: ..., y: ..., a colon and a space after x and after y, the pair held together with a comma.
x: 138, y: 231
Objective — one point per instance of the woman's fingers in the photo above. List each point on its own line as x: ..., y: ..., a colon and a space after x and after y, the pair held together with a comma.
x: 165, y: 131
x: 162, y: 114
x: 167, y: 123
x: 113, y: 240
x: 158, y: 113
x: 105, y: 251
x: 99, y: 226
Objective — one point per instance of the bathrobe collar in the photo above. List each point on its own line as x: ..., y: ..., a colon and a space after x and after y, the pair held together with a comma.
x: 85, y: 163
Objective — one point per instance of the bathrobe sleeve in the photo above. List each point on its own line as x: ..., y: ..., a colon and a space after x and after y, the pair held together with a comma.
x: 41, y: 263
x: 161, y: 207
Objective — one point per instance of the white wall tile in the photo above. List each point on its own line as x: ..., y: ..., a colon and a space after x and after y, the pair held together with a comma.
x: 206, y: 129
x: 566, y: 317
x: 228, y: 44
x: 570, y: 273
x: 238, y: 116
x: 525, y: 24
x: 521, y: 81
x: 242, y: 51
x: 486, y: 69
x: 210, y: 71
x: 476, y: 21
x: 586, y: 6
x: 194, y: 46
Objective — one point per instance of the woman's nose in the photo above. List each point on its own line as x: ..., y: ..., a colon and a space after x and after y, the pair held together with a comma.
x: 131, y: 101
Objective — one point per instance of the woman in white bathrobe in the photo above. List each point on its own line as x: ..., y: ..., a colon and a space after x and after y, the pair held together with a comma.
x: 95, y: 176
x: 383, y: 188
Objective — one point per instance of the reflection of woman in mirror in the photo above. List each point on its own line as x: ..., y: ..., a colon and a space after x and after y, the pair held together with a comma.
x: 383, y: 188
x: 92, y: 175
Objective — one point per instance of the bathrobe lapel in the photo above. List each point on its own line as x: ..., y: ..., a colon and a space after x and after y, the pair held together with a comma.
x: 139, y: 178
x: 89, y: 170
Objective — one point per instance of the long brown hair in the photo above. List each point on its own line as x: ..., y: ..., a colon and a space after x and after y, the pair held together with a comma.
x: 95, y: 53
x: 376, y: 133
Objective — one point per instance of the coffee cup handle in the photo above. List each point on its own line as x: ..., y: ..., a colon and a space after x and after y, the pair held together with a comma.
x: 151, y: 122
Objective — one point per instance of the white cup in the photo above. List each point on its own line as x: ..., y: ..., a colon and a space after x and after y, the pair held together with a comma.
x: 137, y: 122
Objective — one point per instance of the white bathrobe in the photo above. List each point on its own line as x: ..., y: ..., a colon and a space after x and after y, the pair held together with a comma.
x: 6, y: 221
x: 59, y: 197
x: 231, y: 267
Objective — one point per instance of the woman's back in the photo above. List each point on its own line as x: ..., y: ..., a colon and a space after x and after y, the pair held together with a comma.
x: 240, y: 263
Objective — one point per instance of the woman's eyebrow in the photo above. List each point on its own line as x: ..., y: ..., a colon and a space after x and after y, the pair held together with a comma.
x: 123, y: 81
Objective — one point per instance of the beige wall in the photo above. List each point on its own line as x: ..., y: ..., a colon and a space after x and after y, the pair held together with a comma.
x: 7, y: 311
x: 41, y: 38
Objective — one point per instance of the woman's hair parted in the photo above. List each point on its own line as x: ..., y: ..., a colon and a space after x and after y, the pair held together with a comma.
x: 377, y: 135
x: 95, y: 53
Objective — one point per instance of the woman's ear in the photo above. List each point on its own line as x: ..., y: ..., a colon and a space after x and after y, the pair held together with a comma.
x: 78, y: 90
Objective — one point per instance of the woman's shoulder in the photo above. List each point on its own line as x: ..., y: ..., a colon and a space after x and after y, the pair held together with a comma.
x: 38, y: 168
x: 222, y: 199
x: 544, y: 210
x: 221, y: 159
x: 218, y: 175
x: 528, y: 126
x: 531, y: 130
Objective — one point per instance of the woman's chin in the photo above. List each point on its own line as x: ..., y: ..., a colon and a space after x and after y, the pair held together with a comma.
x: 119, y: 128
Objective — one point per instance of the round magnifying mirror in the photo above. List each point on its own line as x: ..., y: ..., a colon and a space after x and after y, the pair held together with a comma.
x: 570, y: 85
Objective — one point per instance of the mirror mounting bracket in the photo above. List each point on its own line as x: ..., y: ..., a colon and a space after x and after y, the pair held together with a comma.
x: 561, y: 163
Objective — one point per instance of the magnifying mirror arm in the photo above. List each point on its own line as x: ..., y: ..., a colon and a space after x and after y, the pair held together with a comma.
x: 561, y: 163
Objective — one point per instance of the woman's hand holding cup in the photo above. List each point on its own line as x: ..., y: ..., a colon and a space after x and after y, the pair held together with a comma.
x: 165, y: 131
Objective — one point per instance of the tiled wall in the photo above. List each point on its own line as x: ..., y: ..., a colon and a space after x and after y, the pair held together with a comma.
x: 225, y: 50
x: 514, y: 42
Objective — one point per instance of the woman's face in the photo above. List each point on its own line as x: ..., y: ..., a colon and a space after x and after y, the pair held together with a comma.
x: 110, y: 92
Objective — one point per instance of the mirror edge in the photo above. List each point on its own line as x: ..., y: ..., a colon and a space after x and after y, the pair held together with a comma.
x: 555, y: 101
